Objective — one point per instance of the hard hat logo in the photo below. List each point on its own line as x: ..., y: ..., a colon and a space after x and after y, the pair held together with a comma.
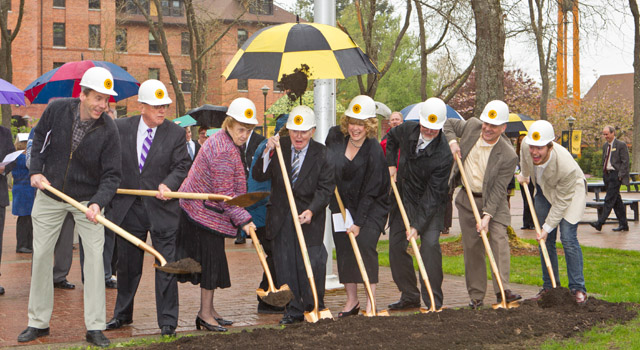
x: 108, y: 84
x: 492, y: 114
x: 535, y: 136
x: 297, y: 120
x: 159, y: 94
x: 356, y: 108
x: 432, y: 118
x: 248, y: 113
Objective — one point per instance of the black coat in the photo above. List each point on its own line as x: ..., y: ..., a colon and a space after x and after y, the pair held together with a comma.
x: 363, y: 182
x: 312, y: 190
x: 6, y: 147
x: 167, y: 163
x: 422, y: 178
x: 250, y: 150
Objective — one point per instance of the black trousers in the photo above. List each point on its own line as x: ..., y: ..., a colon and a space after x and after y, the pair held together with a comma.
x: 527, y: 219
x: 401, y: 262
x: 3, y: 211
x: 130, y: 264
x: 612, y: 199
x: 261, y: 232
x: 24, y: 232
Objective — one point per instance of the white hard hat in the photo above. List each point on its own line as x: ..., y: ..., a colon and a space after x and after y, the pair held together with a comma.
x: 495, y: 112
x: 98, y: 79
x: 243, y: 110
x: 433, y: 113
x: 361, y: 107
x: 540, y: 133
x: 154, y: 93
x: 301, y: 118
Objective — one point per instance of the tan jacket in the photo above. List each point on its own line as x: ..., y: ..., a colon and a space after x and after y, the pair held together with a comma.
x: 563, y: 185
x: 499, y: 172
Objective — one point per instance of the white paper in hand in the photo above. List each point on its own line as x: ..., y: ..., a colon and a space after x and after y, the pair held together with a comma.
x: 340, y: 225
x: 11, y: 157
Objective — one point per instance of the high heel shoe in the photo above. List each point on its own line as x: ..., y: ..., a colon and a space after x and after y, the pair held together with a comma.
x: 221, y: 321
x: 202, y: 323
x: 352, y: 312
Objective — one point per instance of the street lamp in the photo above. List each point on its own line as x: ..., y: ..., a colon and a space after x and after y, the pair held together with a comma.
x: 571, y: 120
x: 265, y: 90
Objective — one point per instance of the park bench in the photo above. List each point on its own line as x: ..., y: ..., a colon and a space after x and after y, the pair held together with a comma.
x: 634, y: 181
x: 632, y: 203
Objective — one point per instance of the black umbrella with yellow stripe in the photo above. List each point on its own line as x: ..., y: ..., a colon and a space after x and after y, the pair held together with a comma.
x: 518, y: 124
x: 276, y: 50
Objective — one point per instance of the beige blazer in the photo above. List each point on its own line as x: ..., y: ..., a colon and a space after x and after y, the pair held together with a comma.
x: 563, y: 185
x: 501, y: 166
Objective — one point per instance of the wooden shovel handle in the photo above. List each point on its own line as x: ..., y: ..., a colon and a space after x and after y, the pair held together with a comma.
x: 113, y: 227
x: 263, y: 259
x: 543, y: 246
x: 185, y: 195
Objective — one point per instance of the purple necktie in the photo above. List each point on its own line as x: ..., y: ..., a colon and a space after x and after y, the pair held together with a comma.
x: 146, y: 145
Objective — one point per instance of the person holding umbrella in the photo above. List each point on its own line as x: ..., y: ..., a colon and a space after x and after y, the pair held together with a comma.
x: 76, y: 148
x: 205, y: 224
x: 560, y: 199
x: 361, y: 177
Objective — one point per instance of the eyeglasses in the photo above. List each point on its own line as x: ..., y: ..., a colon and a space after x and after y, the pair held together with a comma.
x: 160, y: 107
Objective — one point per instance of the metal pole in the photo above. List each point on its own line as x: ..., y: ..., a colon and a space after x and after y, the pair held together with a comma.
x: 324, y: 95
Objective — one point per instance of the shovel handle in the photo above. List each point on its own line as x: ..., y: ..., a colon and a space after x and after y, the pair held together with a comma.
x: 110, y: 225
x: 483, y: 234
x: 542, y: 242
x: 263, y: 259
x: 185, y: 195
x: 414, y: 245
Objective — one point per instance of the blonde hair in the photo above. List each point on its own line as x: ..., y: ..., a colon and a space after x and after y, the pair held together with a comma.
x: 229, y: 123
x: 370, y: 125
x: 20, y: 145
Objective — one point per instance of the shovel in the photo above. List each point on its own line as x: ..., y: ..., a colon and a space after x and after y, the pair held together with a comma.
x: 416, y: 251
x: 543, y: 247
x: 503, y: 304
x: 117, y: 229
x: 314, y: 315
x: 363, y: 271
x: 243, y: 200
x: 272, y: 296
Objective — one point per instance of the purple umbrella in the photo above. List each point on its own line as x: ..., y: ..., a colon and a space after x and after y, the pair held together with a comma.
x: 10, y: 95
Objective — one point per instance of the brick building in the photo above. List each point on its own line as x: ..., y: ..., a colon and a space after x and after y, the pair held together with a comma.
x: 54, y: 32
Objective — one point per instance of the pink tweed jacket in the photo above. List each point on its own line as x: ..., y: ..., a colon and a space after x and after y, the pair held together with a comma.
x: 217, y: 169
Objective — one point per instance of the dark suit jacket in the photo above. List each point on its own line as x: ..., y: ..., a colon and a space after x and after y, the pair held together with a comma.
x: 312, y: 190
x: 6, y: 147
x: 167, y: 162
x: 254, y: 141
x: 619, y: 159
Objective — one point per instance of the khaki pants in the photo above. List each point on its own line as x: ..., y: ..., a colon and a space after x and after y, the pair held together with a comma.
x: 48, y: 216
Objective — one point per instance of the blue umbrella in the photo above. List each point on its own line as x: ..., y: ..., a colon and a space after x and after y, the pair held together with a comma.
x: 9, y: 94
x: 64, y: 81
x: 412, y: 112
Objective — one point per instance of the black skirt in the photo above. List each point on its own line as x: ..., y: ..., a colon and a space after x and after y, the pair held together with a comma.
x: 348, y: 270
x: 205, y: 246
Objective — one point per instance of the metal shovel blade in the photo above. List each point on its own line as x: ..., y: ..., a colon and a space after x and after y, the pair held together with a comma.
x: 315, y: 315
x: 372, y: 314
x: 280, y: 298
x: 247, y: 199
x: 182, y: 266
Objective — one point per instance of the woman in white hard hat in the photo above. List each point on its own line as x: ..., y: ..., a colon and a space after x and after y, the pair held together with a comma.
x: 217, y: 169
x: 363, y: 184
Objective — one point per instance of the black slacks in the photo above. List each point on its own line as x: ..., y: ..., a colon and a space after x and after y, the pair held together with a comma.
x: 612, y: 199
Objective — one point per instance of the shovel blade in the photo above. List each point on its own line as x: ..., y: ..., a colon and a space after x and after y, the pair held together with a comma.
x: 379, y: 313
x: 501, y: 305
x: 247, y: 199
x: 314, y: 316
x: 280, y: 298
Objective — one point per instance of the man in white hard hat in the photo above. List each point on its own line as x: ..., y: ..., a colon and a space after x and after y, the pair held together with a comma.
x: 311, y: 177
x: 154, y: 157
x: 423, y: 183
x: 560, y: 199
x: 489, y: 162
x: 76, y: 149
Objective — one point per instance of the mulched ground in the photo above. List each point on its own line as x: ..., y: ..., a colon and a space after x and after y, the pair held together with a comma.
x: 556, y: 316
x: 453, y: 248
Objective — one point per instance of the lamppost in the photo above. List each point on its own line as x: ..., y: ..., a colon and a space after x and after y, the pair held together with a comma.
x: 265, y: 90
x: 571, y: 120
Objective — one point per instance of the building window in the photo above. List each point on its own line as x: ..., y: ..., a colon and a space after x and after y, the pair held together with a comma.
x: 121, y: 111
x: 153, y: 44
x: 59, y: 3
x: 58, y: 34
x: 276, y: 86
x: 121, y: 39
x: 172, y: 8
x: 94, y: 36
x: 185, y: 43
x: 186, y: 80
x: 261, y: 7
x: 94, y: 4
x: 154, y: 73
x: 129, y: 7
x: 243, y: 84
x: 58, y: 64
x: 243, y: 35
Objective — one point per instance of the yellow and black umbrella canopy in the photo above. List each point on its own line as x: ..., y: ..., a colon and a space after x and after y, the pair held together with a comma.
x: 272, y: 51
x: 518, y: 124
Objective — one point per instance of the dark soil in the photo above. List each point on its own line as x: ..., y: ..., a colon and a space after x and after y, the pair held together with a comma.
x: 453, y: 248
x: 278, y: 298
x: 186, y: 265
x: 556, y: 316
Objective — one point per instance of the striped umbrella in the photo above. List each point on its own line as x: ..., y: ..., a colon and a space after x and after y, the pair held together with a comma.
x: 518, y: 124
x: 272, y: 51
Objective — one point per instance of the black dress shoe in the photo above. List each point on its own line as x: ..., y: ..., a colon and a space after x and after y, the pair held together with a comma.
x: 264, y: 308
x: 221, y: 321
x: 509, y: 295
x: 404, y: 304
x: 116, y: 323
x: 32, y: 333
x: 290, y: 320
x: 352, y: 312
x: 596, y: 225
x: 208, y: 326
x: 24, y: 250
x: 476, y: 303
x: 621, y: 228
x: 64, y: 284
x: 169, y: 331
x: 1, y: 290
x: 97, y: 338
x: 111, y: 283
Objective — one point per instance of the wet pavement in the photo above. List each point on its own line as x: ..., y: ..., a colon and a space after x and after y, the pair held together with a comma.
x: 237, y: 303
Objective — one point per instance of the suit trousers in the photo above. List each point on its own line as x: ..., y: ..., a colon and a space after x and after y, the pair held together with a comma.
x: 475, y: 266
x: 291, y: 270
x: 24, y: 232
x: 48, y: 215
x: 63, y: 252
x: 402, y: 271
x: 131, y: 259
x: 107, y: 253
x: 612, y: 199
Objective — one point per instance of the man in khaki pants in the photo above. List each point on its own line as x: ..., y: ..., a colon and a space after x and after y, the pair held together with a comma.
x: 76, y: 149
x: 489, y: 163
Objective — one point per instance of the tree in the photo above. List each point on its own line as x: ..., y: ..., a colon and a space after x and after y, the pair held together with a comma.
x: 6, y: 39
x: 633, y: 4
x: 538, y: 27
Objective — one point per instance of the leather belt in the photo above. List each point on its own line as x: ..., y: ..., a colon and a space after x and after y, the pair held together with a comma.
x: 474, y: 194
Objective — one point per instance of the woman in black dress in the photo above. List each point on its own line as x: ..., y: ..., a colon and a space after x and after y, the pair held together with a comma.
x: 363, y: 184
